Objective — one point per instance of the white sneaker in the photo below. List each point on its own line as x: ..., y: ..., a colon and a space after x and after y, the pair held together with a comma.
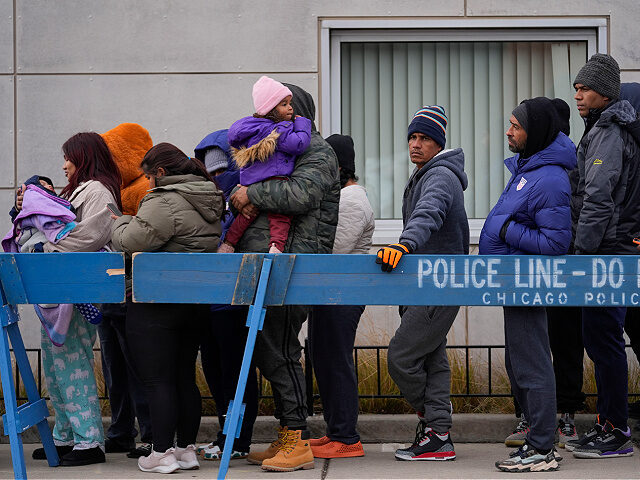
x: 187, y: 458
x: 158, y: 462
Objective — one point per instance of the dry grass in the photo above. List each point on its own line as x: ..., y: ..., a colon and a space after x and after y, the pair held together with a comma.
x: 368, y: 363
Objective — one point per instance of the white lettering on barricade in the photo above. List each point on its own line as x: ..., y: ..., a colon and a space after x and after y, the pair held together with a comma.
x: 533, y: 280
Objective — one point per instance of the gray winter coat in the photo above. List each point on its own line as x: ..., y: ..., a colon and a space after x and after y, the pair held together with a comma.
x: 433, y: 213
x: 606, y: 199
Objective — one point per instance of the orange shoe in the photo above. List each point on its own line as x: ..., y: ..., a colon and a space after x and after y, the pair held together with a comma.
x: 338, y: 450
x: 316, y: 442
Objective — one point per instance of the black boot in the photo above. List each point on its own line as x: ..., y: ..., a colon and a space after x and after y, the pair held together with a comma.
x: 38, y: 453
x: 88, y: 456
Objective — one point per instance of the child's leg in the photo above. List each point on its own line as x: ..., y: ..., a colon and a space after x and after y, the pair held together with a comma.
x: 279, y: 229
x: 55, y: 366
x: 77, y: 384
x: 237, y: 229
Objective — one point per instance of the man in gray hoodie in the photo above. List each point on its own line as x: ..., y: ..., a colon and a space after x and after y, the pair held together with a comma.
x: 605, y: 220
x: 435, y: 222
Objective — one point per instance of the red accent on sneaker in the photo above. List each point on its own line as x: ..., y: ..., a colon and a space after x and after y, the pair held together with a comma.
x: 436, y: 455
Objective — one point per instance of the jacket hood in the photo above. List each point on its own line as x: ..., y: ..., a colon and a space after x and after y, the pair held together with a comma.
x: 631, y: 92
x: 452, y: 159
x: 620, y: 112
x: 303, y: 104
x: 128, y: 143
x: 219, y: 139
x: 561, y: 152
x: 542, y: 125
x: 202, y: 194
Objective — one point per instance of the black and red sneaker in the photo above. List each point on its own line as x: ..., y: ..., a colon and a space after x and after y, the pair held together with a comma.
x: 428, y: 445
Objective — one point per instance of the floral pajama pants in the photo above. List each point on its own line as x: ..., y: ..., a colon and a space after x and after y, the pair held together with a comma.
x: 72, y: 386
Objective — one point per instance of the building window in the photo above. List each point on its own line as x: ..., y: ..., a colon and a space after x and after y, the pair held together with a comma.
x: 379, y: 78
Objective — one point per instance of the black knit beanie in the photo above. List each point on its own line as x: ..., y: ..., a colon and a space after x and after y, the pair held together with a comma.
x: 602, y: 74
x: 343, y: 146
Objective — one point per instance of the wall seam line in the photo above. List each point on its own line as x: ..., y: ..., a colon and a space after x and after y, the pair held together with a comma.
x: 15, y: 97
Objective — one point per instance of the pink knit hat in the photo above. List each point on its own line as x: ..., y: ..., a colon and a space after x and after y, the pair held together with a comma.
x: 267, y: 93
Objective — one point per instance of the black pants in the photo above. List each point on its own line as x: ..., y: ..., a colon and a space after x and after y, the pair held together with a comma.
x: 567, y: 349
x: 332, y: 333
x: 277, y: 355
x: 602, y: 330
x: 164, y: 341
x: 632, y: 327
x: 221, y: 352
x: 126, y: 393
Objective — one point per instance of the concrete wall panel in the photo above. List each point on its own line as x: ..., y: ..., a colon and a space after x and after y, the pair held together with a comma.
x: 6, y: 132
x: 164, y: 35
x: 180, y: 109
x: 6, y: 36
x: 7, y: 199
x: 625, y: 15
x: 194, y: 36
x: 396, y: 8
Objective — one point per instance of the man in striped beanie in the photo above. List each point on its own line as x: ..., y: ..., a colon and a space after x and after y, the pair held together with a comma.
x: 435, y: 222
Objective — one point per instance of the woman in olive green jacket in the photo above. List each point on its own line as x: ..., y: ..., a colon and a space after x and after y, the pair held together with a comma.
x: 181, y: 213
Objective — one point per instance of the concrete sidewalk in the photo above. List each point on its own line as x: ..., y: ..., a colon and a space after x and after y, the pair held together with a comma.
x: 473, y: 461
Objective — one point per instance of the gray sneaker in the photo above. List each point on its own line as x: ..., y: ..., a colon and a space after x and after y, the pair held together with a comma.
x: 528, y: 459
x: 519, y: 435
x: 597, y: 429
x: 566, y: 431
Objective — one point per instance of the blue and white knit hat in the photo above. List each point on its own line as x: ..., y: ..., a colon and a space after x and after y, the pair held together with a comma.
x: 431, y: 121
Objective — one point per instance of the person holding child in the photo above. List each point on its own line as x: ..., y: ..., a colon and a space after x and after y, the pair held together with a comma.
x: 94, y: 181
x: 265, y: 146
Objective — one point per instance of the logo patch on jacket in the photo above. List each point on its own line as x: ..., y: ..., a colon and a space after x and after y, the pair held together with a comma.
x: 597, y: 161
x: 522, y: 183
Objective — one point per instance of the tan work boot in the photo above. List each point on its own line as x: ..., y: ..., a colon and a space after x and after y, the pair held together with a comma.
x: 294, y: 454
x: 258, y: 457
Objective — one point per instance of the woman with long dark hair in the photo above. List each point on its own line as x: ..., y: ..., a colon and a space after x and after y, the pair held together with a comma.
x: 94, y: 181
x: 181, y: 213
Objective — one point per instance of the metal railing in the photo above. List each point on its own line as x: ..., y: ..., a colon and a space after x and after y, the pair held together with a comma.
x: 467, y: 392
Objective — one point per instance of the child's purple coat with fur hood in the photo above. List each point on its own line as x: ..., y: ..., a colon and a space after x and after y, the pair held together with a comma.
x: 264, y: 149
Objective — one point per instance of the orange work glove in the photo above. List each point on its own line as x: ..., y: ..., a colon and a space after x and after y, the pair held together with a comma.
x: 390, y: 255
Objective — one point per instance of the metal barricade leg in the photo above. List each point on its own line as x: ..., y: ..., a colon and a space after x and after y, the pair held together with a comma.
x: 39, y: 415
x: 255, y: 320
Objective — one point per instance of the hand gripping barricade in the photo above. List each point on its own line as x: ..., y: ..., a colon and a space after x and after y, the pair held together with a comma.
x: 262, y: 280
x: 51, y: 278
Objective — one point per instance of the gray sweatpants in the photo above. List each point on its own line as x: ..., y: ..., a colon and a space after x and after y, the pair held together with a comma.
x: 418, y: 362
x: 527, y: 358
x: 277, y: 355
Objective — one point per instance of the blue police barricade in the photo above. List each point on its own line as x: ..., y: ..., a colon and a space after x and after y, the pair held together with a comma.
x: 262, y: 280
x: 51, y: 278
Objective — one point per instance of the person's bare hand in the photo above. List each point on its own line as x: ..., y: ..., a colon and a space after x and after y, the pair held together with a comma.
x: 20, y: 196
x: 249, y: 211
x: 114, y: 217
x: 240, y: 199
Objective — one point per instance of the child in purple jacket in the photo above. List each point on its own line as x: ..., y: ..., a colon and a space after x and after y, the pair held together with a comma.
x: 265, y: 146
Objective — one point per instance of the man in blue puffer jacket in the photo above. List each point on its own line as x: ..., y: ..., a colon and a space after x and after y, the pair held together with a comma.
x: 532, y: 216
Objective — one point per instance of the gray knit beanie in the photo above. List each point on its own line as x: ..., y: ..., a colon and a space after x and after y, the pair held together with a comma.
x: 602, y: 74
x: 215, y: 159
x: 520, y: 112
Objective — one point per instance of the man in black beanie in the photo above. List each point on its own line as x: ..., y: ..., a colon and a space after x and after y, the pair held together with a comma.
x: 532, y: 216
x: 605, y: 203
